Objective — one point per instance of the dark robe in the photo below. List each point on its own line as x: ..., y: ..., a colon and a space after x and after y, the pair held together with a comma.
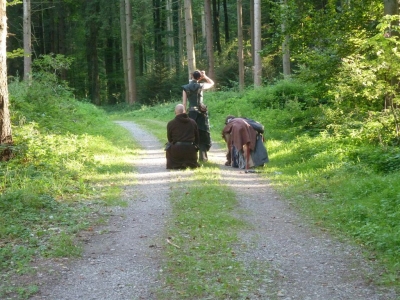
x: 183, y: 137
x: 240, y: 133
x: 194, y: 93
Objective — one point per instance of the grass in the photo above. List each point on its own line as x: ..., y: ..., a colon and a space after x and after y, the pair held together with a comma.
x: 71, y: 162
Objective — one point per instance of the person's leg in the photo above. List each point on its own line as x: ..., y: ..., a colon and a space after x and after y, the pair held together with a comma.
x: 203, y: 153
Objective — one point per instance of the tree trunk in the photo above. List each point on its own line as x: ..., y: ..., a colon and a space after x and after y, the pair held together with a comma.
x: 240, y: 44
x: 124, y: 48
x: 391, y: 7
x: 27, y: 41
x: 5, y: 122
x: 216, y: 26
x: 130, y: 53
x: 92, y: 53
x: 181, y: 23
x: 252, y: 30
x: 209, y: 38
x: 189, y: 37
x: 170, y: 30
x: 257, y: 43
x: 285, y: 44
x: 226, y: 22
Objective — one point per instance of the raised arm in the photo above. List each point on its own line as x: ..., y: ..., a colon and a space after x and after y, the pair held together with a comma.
x: 209, y: 82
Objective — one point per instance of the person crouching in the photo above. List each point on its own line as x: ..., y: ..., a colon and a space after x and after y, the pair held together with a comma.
x: 183, y: 138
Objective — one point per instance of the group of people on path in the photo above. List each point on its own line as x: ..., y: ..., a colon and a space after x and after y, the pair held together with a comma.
x: 189, y: 137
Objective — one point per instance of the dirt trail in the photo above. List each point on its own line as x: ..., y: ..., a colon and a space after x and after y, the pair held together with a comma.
x: 124, y: 262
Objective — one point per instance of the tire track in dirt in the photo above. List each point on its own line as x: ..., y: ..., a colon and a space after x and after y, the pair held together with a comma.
x: 304, y: 261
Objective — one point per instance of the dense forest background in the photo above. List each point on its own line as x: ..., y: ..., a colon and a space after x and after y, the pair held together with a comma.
x: 338, y: 48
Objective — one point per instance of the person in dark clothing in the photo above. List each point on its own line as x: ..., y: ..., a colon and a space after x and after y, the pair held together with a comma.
x: 192, y: 97
x: 183, y: 138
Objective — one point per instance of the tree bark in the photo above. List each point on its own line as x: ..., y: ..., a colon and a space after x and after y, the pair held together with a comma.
x: 391, y: 7
x: 257, y: 43
x: 252, y: 30
x: 170, y: 31
x: 27, y: 41
x: 216, y: 26
x: 285, y: 43
x: 181, y: 56
x: 191, y: 58
x: 5, y: 122
x: 226, y: 22
x: 209, y: 38
x: 130, y: 54
x: 124, y: 48
x: 240, y: 44
x: 92, y: 53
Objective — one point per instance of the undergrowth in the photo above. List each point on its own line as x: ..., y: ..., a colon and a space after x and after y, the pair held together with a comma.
x: 70, y: 162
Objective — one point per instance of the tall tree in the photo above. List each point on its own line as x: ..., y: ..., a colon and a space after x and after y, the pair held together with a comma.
x: 217, y: 38
x: 226, y: 21
x: 240, y: 44
x: 92, y: 54
x: 170, y: 33
x: 209, y: 38
x: 130, y: 54
x: 5, y: 122
x: 189, y: 37
x: 27, y: 40
x: 124, y: 48
x: 257, y: 43
x: 285, y: 43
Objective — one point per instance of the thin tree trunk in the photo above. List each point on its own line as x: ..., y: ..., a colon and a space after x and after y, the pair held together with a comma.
x: 130, y: 53
x: 216, y: 26
x: 252, y: 30
x: 181, y: 35
x: 27, y: 41
x: 92, y: 53
x: 170, y: 30
x: 240, y: 44
x: 5, y: 122
x: 226, y: 22
x: 124, y: 47
x: 209, y: 38
x: 257, y: 43
x: 285, y: 44
x: 191, y: 58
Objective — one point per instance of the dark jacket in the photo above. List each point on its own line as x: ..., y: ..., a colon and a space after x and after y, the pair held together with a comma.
x: 182, y: 129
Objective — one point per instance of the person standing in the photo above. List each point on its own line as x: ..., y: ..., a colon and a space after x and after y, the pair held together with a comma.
x: 183, y: 138
x: 192, y: 97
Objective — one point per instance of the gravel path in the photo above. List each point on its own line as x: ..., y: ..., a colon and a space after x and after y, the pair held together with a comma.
x: 124, y: 262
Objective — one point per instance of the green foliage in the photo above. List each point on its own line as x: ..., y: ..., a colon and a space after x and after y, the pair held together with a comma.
x: 286, y: 92
x: 367, y: 79
x: 69, y: 161
x: 15, y: 53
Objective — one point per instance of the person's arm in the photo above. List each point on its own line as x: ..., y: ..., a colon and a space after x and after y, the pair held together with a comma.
x: 184, y: 99
x: 209, y: 82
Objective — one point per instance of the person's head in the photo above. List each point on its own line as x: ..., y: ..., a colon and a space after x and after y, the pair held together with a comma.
x: 228, y: 119
x: 197, y: 75
x: 179, y: 109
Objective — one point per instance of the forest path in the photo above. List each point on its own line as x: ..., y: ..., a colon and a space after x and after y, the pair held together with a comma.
x: 124, y: 262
